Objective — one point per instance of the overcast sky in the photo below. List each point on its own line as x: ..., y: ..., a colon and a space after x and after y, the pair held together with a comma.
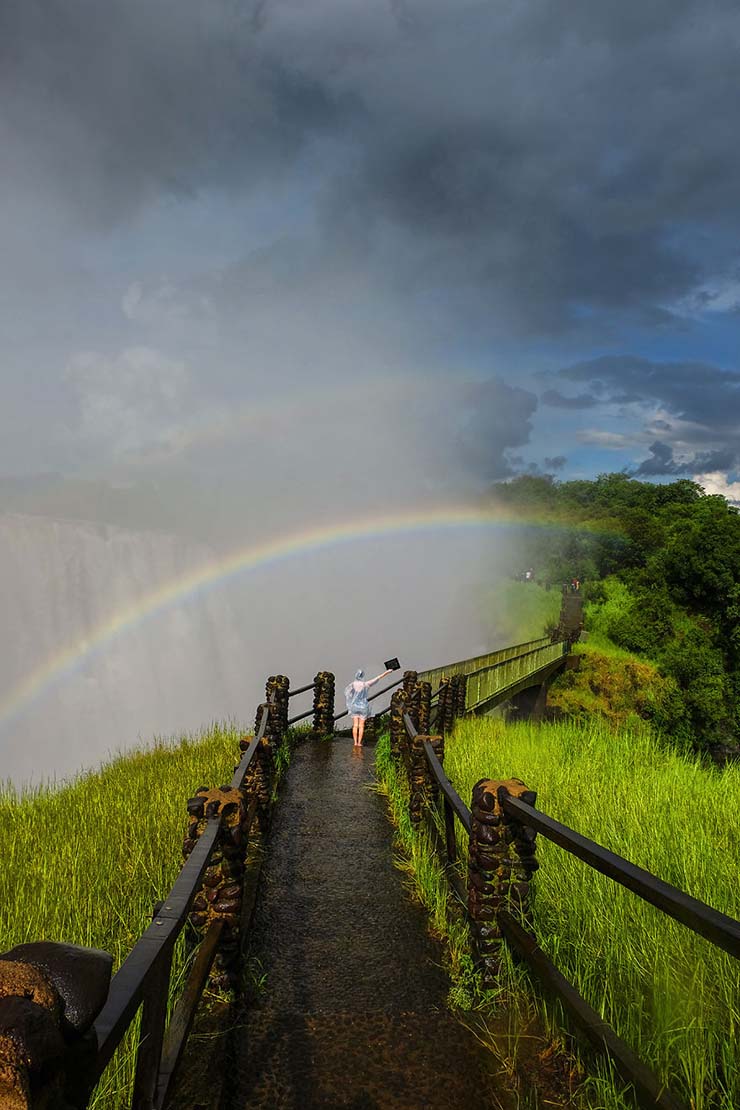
x: 412, y: 244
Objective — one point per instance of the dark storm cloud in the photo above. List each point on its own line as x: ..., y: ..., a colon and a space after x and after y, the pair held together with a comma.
x: 532, y: 160
x: 557, y: 462
x: 496, y: 418
x: 702, y: 402
x: 695, y: 392
x: 662, y: 461
x: 154, y: 99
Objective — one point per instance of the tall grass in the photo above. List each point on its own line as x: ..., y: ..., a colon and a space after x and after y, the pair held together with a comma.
x: 514, y: 612
x: 86, y: 863
x: 673, y: 996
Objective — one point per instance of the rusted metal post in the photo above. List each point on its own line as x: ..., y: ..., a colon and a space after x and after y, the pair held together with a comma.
x: 500, y: 865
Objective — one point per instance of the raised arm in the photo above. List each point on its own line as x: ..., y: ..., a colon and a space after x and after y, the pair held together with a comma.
x: 372, y: 681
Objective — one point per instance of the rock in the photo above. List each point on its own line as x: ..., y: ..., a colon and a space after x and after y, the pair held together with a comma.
x: 80, y: 976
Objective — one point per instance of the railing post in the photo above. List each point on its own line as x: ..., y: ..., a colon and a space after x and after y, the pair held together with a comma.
x: 398, y: 729
x: 422, y: 786
x: 425, y: 706
x: 276, y: 692
x: 151, y: 1032
x: 258, y: 779
x: 220, y: 896
x: 500, y: 864
x: 444, y: 707
x: 410, y: 679
x: 323, y: 704
x: 458, y: 683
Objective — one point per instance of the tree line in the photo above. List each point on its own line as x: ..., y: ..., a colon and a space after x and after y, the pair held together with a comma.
x: 660, y: 567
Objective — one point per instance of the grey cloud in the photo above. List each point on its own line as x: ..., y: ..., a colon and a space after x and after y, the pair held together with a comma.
x: 691, y: 391
x: 662, y: 461
x: 556, y: 462
x: 558, y: 400
x: 515, y: 161
x: 496, y: 419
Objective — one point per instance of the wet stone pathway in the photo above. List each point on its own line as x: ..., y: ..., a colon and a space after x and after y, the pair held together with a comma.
x: 353, y: 1011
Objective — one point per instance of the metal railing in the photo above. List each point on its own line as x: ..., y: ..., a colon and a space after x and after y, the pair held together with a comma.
x: 144, y: 976
x: 702, y: 919
x: 496, y: 679
x: 480, y: 662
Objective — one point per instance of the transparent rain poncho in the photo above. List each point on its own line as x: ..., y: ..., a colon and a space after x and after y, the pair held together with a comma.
x: 356, y: 696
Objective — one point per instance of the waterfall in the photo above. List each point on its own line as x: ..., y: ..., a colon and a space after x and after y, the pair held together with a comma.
x: 84, y: 671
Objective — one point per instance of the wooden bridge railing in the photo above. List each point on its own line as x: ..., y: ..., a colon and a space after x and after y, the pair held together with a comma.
x: 501, y: 826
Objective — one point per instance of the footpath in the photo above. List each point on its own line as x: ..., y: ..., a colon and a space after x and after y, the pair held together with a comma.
x: 352, y: 1012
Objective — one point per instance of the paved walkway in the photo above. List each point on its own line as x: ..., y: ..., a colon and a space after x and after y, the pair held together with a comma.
x: 353, y: 1013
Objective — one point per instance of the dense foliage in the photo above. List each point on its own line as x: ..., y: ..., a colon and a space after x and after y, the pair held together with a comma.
x: 660, y: 566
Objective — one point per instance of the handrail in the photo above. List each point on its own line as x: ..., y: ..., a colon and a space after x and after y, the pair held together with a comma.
x: 149, y: 959
x: 302, y: 689
x: 300, y: 717
x: 715, y: 926
x: 649, y: 1090
x: 461, y: 811
x: 503, y: 662
x: 723, y: 931
x: 712, y: 924
x: 449, y: 668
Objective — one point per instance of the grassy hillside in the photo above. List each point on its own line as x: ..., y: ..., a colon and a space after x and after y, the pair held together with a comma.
x: 661, y: 567
x: 514, y: 612
x: 86, y: 863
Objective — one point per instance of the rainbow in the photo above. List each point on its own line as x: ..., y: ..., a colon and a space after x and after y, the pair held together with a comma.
x: 214, y: 573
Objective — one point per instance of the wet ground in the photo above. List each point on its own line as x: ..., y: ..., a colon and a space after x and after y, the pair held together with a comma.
x: 353, y: 1011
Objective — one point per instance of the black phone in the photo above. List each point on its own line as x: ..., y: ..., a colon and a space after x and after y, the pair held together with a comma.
x: 392, y: 665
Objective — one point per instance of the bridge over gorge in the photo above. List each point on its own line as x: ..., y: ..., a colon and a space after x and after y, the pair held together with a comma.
x: 341, y: 997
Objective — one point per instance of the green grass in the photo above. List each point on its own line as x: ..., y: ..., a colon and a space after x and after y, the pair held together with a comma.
x: 504, y: 1019
x: 674, y: 997
x: 85, y: 863
x: 420, y: 863
x: 514, y: 612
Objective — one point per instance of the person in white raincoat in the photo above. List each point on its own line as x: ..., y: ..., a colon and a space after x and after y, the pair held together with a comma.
x: 358, y: 705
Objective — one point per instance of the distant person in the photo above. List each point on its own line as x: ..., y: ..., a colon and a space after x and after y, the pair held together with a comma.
x: 358, y: 705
